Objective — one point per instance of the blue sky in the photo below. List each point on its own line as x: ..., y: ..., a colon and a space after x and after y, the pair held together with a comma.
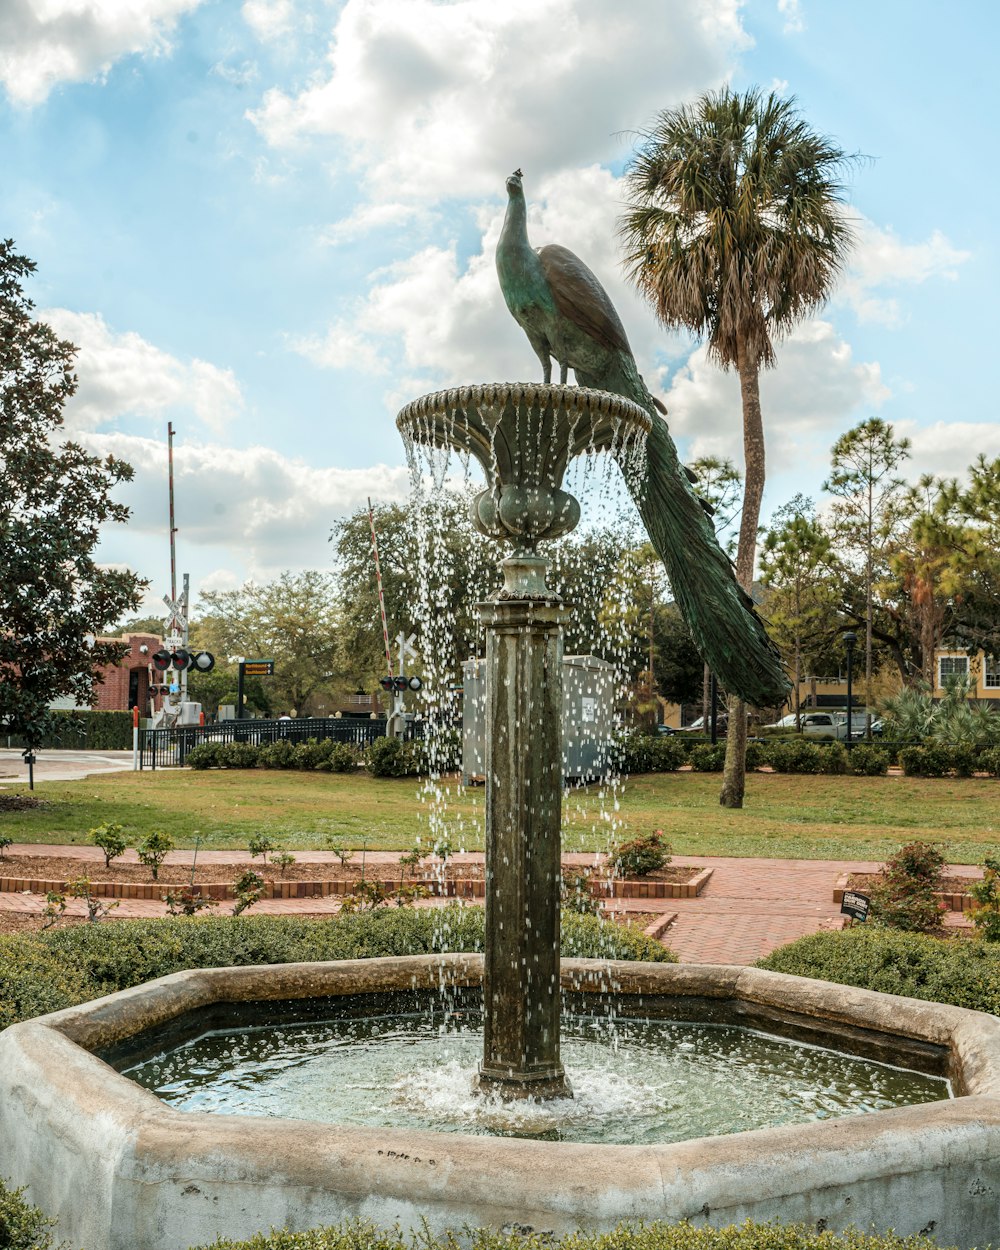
x: 272, y: 223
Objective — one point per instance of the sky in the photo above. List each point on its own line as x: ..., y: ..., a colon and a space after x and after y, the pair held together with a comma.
x: 272, y: 223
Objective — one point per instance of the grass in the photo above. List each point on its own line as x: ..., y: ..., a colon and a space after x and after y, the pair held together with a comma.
x: 786, y: 817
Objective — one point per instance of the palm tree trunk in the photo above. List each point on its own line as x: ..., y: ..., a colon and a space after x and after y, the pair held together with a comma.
x: 734, y: 773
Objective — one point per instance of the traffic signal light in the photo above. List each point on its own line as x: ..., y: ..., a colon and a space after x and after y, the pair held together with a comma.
x: 387, y: 683
x: 161, y: 660
x: 415, y: 683
x: 203, y: 661
x: 180, y: 659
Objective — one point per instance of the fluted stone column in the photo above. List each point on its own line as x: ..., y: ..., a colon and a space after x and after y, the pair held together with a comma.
x: 523, y: 809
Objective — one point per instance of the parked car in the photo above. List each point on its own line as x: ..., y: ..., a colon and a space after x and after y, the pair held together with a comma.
x: 786, y: 722
x: 700, y: 726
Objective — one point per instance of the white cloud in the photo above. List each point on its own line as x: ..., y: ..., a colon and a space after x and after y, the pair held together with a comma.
x: 806, y: 401
x: 47, y: 42
x: 123, y: 374
x: 369, y: 217
x: 790, y: 11
x: 445, y: 322
x: 273, y: 512
x: 882, y: 260
x: 440, y: 99
x: 268, y: 18
x: 947, y: 448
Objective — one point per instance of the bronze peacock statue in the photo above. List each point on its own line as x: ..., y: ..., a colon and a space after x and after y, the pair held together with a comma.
x: 568, y: 316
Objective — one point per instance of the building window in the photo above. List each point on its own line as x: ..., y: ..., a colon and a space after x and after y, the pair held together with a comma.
x: 952, y: 666
x: 991, y: 672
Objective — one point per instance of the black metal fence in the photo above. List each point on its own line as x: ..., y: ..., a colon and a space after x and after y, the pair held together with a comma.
x: 168, y: 748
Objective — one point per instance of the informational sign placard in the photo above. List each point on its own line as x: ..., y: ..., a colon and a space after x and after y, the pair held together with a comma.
x: 588, y: 708
x: 855, y: 905
x: 258, y: 668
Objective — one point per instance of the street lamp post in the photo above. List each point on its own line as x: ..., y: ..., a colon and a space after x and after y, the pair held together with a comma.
x: 849, y: 640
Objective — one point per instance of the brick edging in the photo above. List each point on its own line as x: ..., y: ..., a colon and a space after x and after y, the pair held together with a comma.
x: 459, y: 887
x: 959, y: 901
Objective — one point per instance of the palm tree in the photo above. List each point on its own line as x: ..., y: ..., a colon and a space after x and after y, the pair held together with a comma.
x: 735, y: 229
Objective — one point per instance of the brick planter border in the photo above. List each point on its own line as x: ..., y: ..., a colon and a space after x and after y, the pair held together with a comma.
x: 953, y: 901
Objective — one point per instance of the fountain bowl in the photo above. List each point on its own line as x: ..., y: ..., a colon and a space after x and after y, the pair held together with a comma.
x: 121, y: 1169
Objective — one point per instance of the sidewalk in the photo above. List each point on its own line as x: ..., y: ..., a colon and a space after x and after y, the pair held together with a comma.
x: 748, y: 908
x: 52, y: 765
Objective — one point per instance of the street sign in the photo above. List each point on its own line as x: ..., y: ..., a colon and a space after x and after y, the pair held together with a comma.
x: 176, y: 609
x: 855, y: 905
x: 407, y: 651
x: 258, y: 668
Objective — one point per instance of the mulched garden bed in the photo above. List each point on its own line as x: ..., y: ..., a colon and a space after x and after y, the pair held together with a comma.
x: 953, y: 890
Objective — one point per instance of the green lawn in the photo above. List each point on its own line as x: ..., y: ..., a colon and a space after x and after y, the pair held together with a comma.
x: 785, y: 816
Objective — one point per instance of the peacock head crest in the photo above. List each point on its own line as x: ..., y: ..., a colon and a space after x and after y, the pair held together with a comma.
x: 514, y: 182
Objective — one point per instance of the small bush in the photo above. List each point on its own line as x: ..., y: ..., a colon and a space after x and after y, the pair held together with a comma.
x: 869, y: 761
x: 312, y: 754
x: 757, y: 754
x: 904, y: 898
x: 668, y: 754
x: 206, y: 755
x: 707, y: 758
x: 986, y: 917
x: 963, y: 760
x: 239, y: 755
x: 643, y: 855
x: 392, y: 757
x: 280, y: 754
x: 834, y: 759
x: 989, y: 761
x: 111, y: 840
x: 343, y: 758
x: 795, y: 755
x: 637, y: 754
x: 153, y: 850
x: 35, y: 979
x: 22, y: 1227
x: 926, y: 761
x: 938, y: 970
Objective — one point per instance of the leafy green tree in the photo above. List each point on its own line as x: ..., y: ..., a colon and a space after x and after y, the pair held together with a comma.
x: 869, y: 508
x: 736, y: 230
x: 679, y: 667
x: 294, y: 620
x: 797, y: 569
x: 54, y: 498
x: 976, y: 558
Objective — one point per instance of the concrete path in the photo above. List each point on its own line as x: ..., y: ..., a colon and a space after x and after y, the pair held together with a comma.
x: 749, y: 907
x: 61, y: 765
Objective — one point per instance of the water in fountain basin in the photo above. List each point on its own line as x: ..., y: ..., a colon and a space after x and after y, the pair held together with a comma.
x: 636, y: 1082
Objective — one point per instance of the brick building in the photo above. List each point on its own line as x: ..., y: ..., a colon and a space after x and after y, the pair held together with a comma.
x: 125, y: 685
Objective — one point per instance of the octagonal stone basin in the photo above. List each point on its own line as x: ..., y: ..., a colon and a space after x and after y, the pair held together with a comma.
x: 122, y: 1170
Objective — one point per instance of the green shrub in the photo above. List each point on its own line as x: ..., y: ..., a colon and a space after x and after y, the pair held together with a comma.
x: 989, y: 761
x: 111, y: 839
x: 239, y: 755
x: 280, y: 754
x: 757, y: 753
x: 35, y: 978
x: 392, y: 757
x: 668, y: 754
x: 154, y: 849
x: 795, y: 755
x: 205, y: 755
x: 641, y: 856
x: 834, y: 759
x: 79, y: 731
x: 966, y: 973
x: 904, y: 896
x: 986, y: 916
x: 22, y: 1227
x: 364, y: 1236
x: 44, y: 972
x: 343, y: 758
x: 963, y: 760
x: 930, y: 760
x: 707, y: 758
x: 313, y: 753
x: 637, y: 754
x: 868, y: 760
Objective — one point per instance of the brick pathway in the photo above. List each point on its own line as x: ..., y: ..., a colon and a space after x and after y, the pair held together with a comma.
x: 748, y: 908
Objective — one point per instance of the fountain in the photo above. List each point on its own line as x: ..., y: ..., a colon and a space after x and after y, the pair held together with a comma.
x: 121, y: 1168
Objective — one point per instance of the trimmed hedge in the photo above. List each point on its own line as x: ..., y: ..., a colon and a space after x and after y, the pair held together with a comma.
x: 748, y: 1236
x: 43, y: 972
x: 965, y: 973
x: 81, y: 731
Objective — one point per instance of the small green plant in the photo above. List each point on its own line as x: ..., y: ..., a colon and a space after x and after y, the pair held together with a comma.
x: 986, y: 917
x: 22, y: 1227
x: 283, y: 861
x: 111, y: 840
x: 97, y: 907
x: 707, y: 758
x: 343, y: 853
x: 260, y: 845
x: 55, y: 908
x: 153, y: 850
x: 343, y: 758
x: 869, y: 761
x: 641, y: 856
x: 904, y: 897
x: 834, y: 760
x: 248, y: 888
x: 411, y: 858
x: 366, y: 896
x: 187, y: 901
x: 4, y: 843
x: 392, y: 757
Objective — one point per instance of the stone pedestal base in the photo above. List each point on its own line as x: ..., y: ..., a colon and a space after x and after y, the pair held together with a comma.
x: 516, y: 1087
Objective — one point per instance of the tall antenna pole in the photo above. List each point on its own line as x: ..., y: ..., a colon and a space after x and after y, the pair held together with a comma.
x: 173, y: 527
x: 381, y: 597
